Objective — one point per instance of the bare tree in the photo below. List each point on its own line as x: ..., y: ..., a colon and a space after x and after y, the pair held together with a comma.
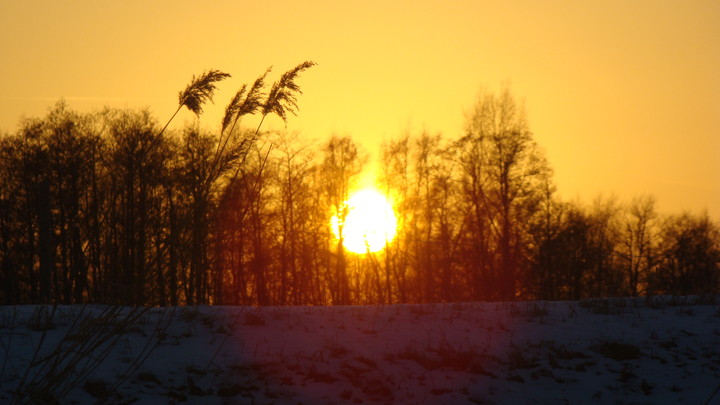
x: 294, y: 165
x: 689, y: 256
x: 342, y: 162
x: 638, y: 242
x: 503, y: 170
x: 545, y: 227
x: 396, y: 184
x: 605, y: 277
x: 134, y: 164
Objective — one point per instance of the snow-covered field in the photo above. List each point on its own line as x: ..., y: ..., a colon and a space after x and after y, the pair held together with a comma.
x: 610, y: 351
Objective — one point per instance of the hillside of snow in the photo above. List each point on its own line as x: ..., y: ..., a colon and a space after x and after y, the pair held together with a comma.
x: 606, y: 351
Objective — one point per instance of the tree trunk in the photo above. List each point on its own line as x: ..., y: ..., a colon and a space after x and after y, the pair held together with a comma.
x: 46, y: 250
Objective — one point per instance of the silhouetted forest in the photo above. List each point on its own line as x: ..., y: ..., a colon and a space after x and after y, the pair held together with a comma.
x: 113, y: 207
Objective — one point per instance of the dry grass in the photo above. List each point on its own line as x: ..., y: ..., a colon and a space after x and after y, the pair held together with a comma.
x: 56, y: 369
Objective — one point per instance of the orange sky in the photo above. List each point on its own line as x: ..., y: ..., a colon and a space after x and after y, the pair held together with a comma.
x: 624, y: 96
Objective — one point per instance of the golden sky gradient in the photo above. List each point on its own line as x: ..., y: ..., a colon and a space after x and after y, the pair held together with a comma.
x: 624, y: 96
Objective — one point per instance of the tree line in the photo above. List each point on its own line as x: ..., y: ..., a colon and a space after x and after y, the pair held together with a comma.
x: 113, y: 207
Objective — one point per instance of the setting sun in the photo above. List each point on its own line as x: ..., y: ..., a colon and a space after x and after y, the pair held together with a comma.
x: 370, y: 222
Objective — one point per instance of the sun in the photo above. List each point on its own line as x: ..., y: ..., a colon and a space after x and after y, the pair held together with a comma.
x: 369, y: 224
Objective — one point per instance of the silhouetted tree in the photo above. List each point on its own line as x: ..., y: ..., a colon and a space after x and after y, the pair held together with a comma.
x: 638, y: 242
x: 21, y: 157
x: 606, y: 277
x: 294, y: 165
x: 110, y: 207
x: 689, y: 257
x: 504, y: 172
x: 47, y: 176
x: 342, y: 162
x: 73, y: 145
x: 545, y: 227
x: 431, y: 231
x: 396, y: 185
x: 564, y: 259
x: 135, y: 162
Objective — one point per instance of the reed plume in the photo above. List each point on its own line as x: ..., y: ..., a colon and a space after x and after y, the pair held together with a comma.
x: 282, y: 97
x: 232, y: 108
x: 252, y: 102
x: 247, y: 106
x: 236, y: 109
x: 200, y: 90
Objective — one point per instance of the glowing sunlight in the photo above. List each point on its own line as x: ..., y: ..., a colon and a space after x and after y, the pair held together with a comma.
x: 369, y: 222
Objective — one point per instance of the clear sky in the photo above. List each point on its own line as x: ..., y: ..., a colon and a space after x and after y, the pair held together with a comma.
x: 624, y: 96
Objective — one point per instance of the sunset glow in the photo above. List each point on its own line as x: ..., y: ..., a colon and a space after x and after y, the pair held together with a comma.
x: 370, y: 222
x: 326, y: 202
x: 600, y: 80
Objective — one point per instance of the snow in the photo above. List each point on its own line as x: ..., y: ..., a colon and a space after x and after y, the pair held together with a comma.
x: 617, y: 351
